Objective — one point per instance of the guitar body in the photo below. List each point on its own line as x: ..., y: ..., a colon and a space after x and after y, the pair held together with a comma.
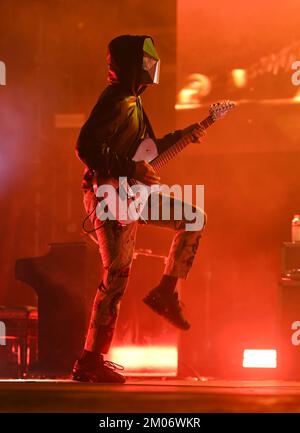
x: 146, y: 151
x: 130, y: 200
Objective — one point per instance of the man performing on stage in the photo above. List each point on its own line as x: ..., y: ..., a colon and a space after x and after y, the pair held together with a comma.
x: 107, y: 144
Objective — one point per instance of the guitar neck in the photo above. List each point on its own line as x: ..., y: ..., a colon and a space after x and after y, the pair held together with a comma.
x: 177, y: 147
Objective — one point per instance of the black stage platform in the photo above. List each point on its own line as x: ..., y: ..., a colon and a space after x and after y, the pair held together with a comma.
x: 149, y: 395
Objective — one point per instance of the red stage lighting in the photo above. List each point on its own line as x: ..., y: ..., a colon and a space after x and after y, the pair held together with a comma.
x: 146, y: 361
x: 260, y: 358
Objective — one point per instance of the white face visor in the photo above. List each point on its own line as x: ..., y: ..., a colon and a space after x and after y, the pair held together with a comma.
x: 151, y: 64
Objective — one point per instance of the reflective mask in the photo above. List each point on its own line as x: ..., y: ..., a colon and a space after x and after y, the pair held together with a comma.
x: 151, y: 64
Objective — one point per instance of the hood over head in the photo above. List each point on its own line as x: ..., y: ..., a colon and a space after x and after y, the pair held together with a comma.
x: 132, y: 62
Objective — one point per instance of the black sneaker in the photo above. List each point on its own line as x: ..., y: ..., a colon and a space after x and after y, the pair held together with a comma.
x: 97, y: 372
x: 167, y: 304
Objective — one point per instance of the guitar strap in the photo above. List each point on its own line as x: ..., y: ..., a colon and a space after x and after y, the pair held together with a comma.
x: 148, y: 126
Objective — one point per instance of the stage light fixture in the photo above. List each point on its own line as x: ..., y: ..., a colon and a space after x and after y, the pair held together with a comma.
x: 239, y: 77
x: 296, y: 98
x: 254, y: 358
x: 149, y: 361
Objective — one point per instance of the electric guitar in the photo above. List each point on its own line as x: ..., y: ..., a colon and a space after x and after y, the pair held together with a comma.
x: 124, y: 199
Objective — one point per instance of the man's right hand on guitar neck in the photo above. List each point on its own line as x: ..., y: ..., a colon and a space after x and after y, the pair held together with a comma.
x: 145, y: 173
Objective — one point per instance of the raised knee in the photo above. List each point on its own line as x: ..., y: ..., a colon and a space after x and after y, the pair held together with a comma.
x: 200, y: 220
x: 196, y: 224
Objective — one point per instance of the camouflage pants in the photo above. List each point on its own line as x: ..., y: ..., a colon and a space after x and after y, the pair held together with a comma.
x: 116, y: 248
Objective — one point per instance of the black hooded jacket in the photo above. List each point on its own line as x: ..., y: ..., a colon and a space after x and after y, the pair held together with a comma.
x: 118, y: 123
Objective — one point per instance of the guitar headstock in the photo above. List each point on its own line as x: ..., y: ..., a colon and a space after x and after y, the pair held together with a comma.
x: 221, y: 108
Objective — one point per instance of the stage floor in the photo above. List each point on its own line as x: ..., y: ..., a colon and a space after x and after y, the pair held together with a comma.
x: 149, y: 395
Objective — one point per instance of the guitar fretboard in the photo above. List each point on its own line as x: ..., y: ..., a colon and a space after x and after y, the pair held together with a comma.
x: 177, y: 147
